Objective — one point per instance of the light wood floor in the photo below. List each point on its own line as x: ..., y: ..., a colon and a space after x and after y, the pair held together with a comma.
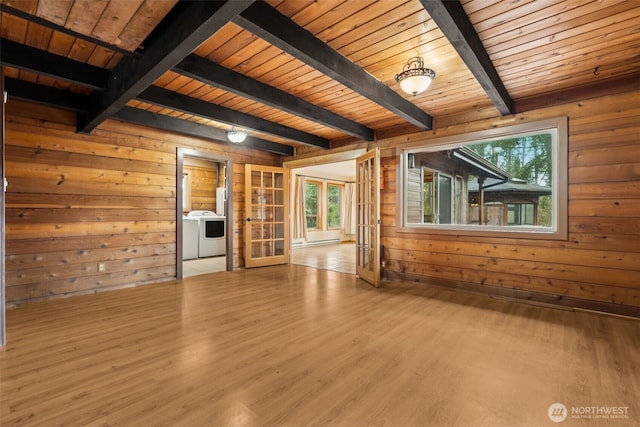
x: 297, y: 346
x: 336, y: 257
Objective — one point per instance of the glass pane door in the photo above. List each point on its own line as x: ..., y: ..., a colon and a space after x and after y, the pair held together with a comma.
x: 368, y: 217
x: 267, y: 205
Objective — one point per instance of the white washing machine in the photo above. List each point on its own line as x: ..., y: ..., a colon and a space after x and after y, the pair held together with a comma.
x: 211, y: 233
x: 190, y: 236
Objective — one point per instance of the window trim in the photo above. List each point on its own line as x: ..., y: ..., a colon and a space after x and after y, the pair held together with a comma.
x: 559, y: 129
x: 322, y: 215
x: 340, y: 187
x: 186, y: 191
x: 319, y: 201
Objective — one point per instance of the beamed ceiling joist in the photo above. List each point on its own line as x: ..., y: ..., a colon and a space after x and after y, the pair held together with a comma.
x: 46, y: 54
x: 49, y: 96
x: 38, y: 61
x: 25, y: 91
x: 191, y: 26
x: 267, y: 23
x: 172, y: 124
x: 187, y: 104
x: 454, y: 23
x: 58, y: 67
x: 215, y: 75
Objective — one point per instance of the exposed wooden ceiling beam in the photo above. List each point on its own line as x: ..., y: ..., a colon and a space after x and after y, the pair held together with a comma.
x: 267, y: 23
x: 26, y: 91
x: 453, y: 21
x: 187, y: 104
x: 38, y: 61
x: 194, y: 23
x: 214, y: 74
x: 172, y: 124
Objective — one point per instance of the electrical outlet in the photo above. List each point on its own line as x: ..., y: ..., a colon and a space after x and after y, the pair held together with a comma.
x: 101, y: 268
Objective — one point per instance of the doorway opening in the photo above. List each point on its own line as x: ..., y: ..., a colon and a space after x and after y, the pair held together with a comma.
x: 323, y: 213
x: 204, y: 239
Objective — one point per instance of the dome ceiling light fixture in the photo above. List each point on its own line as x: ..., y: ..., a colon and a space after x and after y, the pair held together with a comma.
x: 415, y: 78
x: 236, y: 135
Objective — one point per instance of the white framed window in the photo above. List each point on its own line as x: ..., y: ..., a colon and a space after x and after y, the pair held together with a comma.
x: 509, y: 181
x: 186, y: 191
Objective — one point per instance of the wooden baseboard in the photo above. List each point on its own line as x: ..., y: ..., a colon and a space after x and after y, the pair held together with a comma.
x: 17, y: 303
x: 538, y: 298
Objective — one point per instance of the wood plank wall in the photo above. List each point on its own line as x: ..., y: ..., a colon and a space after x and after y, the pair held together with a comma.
x: 598, y: 267
x: 203, y: 177
x: 75, y: 201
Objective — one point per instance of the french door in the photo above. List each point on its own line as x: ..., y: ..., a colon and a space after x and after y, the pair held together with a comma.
x: 267, y: 216
x: 368, y: 217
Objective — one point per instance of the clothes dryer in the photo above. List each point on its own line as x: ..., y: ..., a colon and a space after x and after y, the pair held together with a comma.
x: 211, y: 233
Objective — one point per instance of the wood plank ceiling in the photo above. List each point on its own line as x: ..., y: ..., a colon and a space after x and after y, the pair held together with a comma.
x: 309, y: 72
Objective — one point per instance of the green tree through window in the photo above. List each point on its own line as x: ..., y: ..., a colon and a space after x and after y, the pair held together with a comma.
x: 311, y: 204
x: 333, y: 206
x: 528, y: 158
x: 510, y: 180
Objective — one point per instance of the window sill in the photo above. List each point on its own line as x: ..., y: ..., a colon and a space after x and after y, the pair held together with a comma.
x: 488, y: 232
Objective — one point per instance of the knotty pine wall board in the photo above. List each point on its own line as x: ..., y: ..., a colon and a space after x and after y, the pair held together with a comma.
x: 75, y: 201
x: 600, y: 260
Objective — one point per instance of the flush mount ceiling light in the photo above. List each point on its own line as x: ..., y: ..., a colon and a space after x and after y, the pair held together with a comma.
x: 415, y: 78
x: 236, y: 135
